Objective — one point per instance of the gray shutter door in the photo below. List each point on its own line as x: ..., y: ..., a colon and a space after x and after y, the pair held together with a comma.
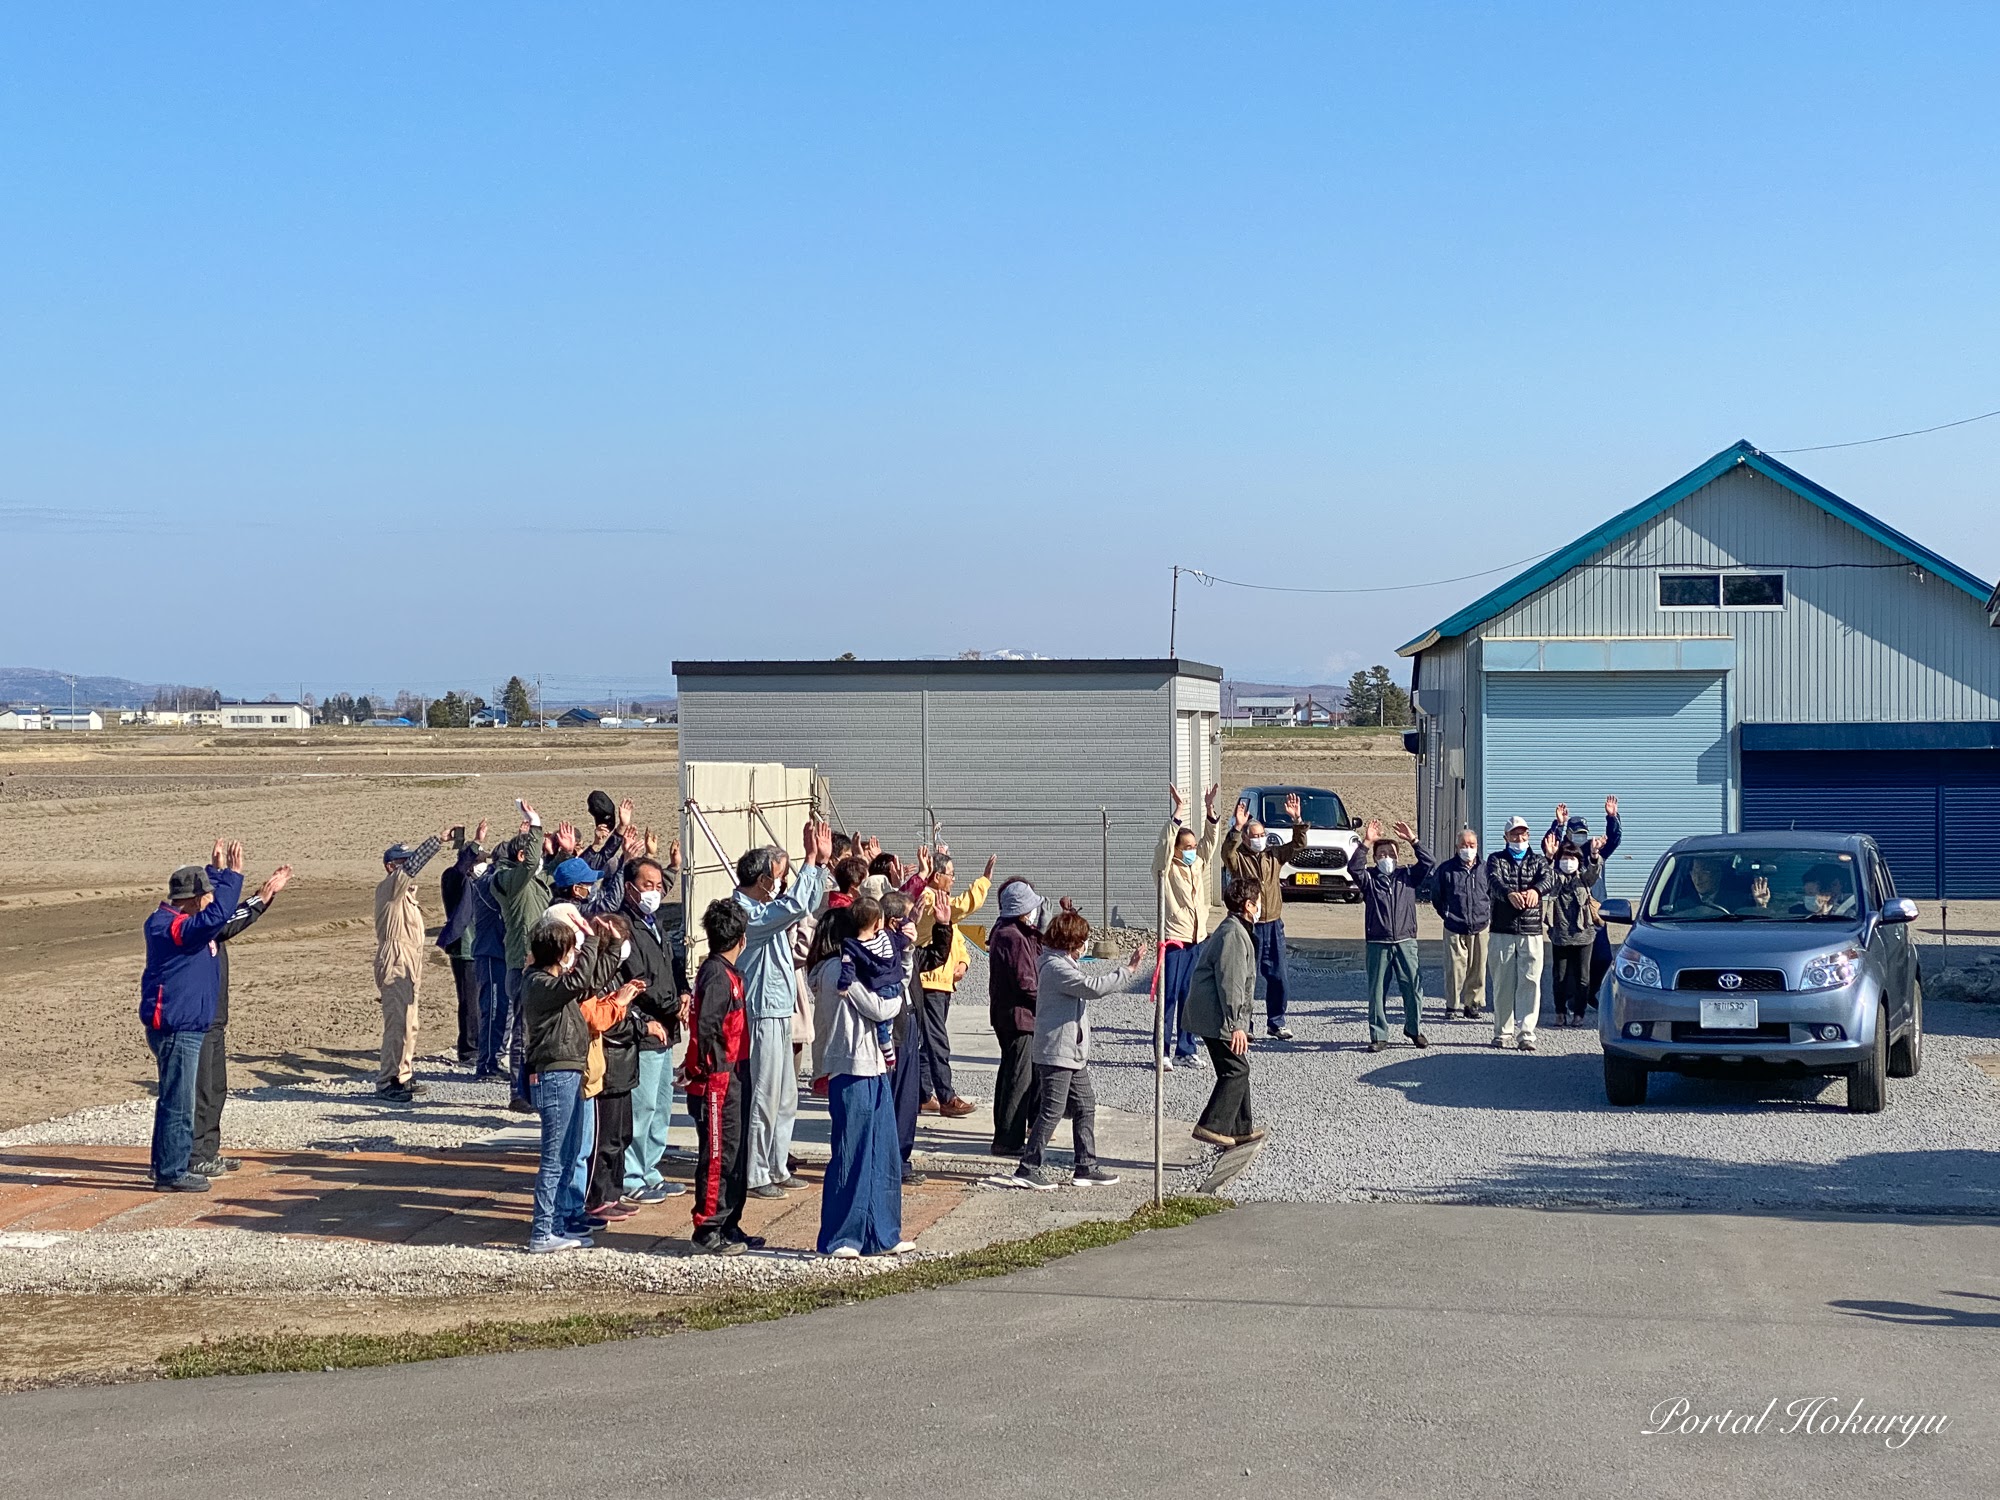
x: 1658, y: 741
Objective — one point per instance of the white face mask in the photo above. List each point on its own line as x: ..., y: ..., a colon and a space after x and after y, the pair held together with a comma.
x: 1567, y: 866
x: 649, y: 901
x: 1468, y: 852
x: 1255, y: 842
x: 481, y: 868
x: 1386, y: 865
x: 624, y: 950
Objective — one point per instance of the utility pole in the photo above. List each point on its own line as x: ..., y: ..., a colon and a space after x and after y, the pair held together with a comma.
x: 1174, y: 614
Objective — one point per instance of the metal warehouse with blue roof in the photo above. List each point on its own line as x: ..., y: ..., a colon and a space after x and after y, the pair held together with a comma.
x: 1743, y: 650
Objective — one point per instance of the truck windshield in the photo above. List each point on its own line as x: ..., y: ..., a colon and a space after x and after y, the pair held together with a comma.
x: 1755, y: 885
x: 1319, y: 808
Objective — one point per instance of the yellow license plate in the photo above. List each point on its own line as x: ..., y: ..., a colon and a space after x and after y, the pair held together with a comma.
x: 1305, y: 877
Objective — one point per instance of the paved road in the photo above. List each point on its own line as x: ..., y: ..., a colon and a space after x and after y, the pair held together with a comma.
x: 1354, y: 1350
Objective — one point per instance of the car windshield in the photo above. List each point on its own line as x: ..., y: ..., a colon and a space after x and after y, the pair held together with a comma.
x: 1755, y: 885
x: 1321, y: 809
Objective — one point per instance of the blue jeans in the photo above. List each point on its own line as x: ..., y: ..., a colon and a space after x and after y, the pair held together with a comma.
x: 496, y: 1010
x: 862, y: 1205
x: 1175, y: 979
x: 179, y: 1056
x: 652, y: 1110
x: 1271, y: 969
x: 567, y: 1119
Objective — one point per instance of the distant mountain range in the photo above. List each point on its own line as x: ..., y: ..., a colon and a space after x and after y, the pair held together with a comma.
x: 39, y: 685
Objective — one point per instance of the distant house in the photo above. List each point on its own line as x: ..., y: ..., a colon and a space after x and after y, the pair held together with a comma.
x: 1267, y: 713
x: 579, y: 718
x: 51, y: 718
x: 490, y: 718
x: 265, y: 716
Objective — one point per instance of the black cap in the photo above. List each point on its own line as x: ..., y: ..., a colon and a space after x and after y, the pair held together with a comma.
x: 603, y: 809
x: 188, y: 882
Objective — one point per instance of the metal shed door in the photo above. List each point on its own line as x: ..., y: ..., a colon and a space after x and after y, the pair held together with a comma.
x: 1658, y: 741
x: 1936, y: 814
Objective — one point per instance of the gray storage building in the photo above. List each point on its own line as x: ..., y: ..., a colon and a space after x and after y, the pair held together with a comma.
x: 1743, y: 650
x: 1007, y: 757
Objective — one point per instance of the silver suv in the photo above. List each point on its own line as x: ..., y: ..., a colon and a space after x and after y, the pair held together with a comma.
x: 1786, y: 952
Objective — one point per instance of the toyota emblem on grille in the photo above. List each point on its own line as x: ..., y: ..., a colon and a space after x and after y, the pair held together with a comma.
x: 1729, y: 981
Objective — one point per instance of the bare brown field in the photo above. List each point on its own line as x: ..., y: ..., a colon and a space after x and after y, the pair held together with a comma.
x: 96, y: 823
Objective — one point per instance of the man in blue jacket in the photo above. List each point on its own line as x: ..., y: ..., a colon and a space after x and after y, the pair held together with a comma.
x: 177, y: 997
x: 1389, y: 908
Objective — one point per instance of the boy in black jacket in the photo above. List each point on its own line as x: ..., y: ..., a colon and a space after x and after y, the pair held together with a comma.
x: 718, y: 1087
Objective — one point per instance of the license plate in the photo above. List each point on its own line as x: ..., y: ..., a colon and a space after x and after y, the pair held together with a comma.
x: 1729, y: 1015
x: 1306, y: 877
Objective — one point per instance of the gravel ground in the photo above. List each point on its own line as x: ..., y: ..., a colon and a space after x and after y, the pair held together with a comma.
x: 1465, y: 1123
x: 232, y: 1260
x: 312, y: 1114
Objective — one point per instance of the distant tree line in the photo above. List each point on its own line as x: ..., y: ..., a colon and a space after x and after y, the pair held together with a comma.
x: 177, y: 698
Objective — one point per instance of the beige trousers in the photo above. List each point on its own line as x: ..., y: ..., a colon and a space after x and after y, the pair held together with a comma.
x: 1515, y: 964
x: 399, y: 1030
x: 1465, y: 971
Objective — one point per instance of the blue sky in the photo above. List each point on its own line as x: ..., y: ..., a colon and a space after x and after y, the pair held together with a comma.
x: 408, y: 346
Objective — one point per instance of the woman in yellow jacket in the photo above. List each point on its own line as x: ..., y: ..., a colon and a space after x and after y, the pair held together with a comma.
x: 1182, y: 866
x: 936, y: 987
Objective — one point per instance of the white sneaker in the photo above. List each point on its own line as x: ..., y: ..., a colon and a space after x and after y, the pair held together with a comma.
x: 845, y: 1252
x: 904, y: 1247
x: 1167, y: 1063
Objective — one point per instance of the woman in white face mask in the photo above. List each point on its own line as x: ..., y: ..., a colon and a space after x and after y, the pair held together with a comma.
x: 1181, y: 864
x: 1250, y: 854
x: 1573, y: 922
x: 659, y: 958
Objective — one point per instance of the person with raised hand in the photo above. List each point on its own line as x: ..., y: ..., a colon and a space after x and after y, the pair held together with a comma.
x: 1389, y: 903
x: 399, y: 963
x: 178, y: 989
x: 211, y: 1087
x: 1250, y: 853
x: 1182, y: 864
x: 770, y: 911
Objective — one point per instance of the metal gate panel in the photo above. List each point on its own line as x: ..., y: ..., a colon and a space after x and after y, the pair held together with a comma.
x: 1658, y: 741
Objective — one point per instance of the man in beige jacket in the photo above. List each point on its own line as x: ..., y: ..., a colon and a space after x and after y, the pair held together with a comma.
x: 399, y: 963
x: 1182, y: 864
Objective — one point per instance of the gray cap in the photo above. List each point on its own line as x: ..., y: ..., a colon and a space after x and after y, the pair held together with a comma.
x: 188, y: 882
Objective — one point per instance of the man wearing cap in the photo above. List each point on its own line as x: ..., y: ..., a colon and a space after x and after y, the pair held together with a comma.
x: 1517, y: 878
x: 177, y: 998
x: 399, y: 963
x: 1014, y: 956
x: 211, y: 1084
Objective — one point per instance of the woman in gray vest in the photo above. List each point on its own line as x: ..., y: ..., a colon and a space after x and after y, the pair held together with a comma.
x: 1218, y: 1010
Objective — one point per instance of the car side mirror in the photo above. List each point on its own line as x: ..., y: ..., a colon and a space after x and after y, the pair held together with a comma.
x: 1617, y: 909
x: 1355, y: 824
x: 1900, y: 910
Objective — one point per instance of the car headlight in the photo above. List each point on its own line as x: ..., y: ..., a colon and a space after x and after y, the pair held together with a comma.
x: 1830, y: 971
x: 1634, y: 967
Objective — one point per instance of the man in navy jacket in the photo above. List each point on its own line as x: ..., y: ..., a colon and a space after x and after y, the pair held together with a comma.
x: 1461, y: 896
x: 178, y: 990
x: 1389, y: 904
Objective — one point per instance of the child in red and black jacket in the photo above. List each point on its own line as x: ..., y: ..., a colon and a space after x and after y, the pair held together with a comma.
x: 718, y: 1087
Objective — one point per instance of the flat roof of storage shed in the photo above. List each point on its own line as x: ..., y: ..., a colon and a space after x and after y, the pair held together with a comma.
x: 1113, y: 666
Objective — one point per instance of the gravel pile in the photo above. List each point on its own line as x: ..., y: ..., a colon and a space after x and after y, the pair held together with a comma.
x: 1976, y: 979
x: 1463, y: 1122
x: 313, y: 1114
x: 241, y: 1260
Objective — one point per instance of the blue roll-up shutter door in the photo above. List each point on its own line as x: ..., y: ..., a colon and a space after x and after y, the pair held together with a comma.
x: 1935, y: 814
x: 1658, y: 741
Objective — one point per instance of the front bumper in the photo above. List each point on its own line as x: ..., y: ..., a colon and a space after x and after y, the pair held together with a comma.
x: 1329, y: 882
x: 1852, y: 1008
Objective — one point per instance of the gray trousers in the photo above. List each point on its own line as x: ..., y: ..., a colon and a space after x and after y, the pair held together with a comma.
x: 1064, y: 1093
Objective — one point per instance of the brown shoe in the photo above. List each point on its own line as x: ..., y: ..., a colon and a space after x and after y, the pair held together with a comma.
x: 955, y: 1108
x: 1213, y: 1137
x: 928, y: 1107
x: 1249, y: 1136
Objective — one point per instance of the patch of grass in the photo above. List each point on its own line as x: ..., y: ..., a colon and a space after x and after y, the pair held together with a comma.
x: 265, y: 1354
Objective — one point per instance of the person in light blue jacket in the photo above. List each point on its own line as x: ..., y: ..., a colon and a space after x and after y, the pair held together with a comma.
x: 770, y: 995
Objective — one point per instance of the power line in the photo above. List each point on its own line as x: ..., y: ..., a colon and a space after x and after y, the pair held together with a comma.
x: 1891, y: 437
x: 1390, y: 588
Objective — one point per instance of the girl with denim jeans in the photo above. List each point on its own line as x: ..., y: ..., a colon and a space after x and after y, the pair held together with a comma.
x: 563, y: 1003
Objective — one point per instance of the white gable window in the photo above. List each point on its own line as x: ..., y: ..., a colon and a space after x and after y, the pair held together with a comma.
x: 1719, y: 590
